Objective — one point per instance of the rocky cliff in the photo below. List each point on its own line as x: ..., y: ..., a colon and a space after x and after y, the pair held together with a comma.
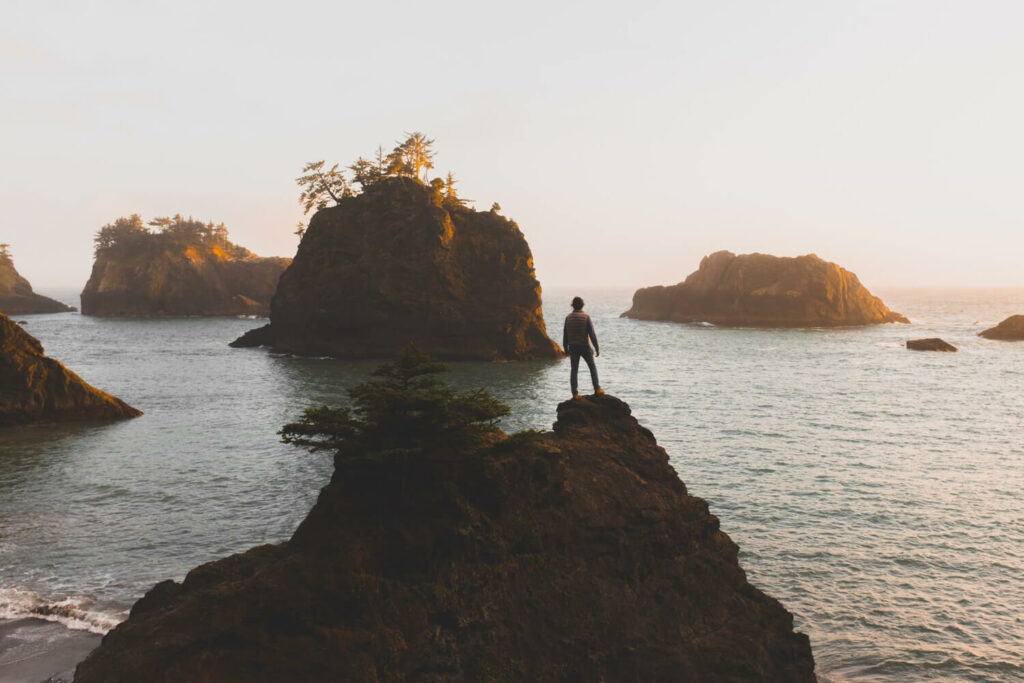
x: 1011, y: 329
x: 34, y: 388
x: 176, y: 278
x: 396, y: 264
x: 572, y: 555
x: 17, y: 297
x: 758, y: 290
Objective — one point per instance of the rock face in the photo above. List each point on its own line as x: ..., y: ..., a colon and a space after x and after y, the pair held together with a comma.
x: 395, y: 265
x: 932, y: 344
x: 758, y: 290
x: 34, y: 388
x: 179, y: 280
x: 572, y: 555
x: 1011, y: 329
x: 17, y: 297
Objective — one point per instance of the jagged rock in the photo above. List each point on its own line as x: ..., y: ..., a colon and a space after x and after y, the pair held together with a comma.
x: 165, y: 278
x: 932, y: 344
x: 34, y: 388
x: 17, y: 297
x: 395, y: 264
x: 572, y: 555
x: 758, y: 290
x: 1011, y: 329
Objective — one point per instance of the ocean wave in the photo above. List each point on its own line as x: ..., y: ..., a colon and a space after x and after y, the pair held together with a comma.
x: 73, y: 612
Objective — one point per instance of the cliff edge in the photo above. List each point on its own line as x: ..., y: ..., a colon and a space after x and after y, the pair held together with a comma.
x: 575, y: 554
x: 16, y: 295
x: 34, y: 388
x: 180, y: 268
x: 397, y: 264
x: 759, y: 290
x: 1011, y: 329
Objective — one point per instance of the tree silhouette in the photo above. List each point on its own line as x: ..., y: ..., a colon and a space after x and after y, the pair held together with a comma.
x: 5, y: 254
x: 320, y: 186
x: 412, y: 156
x: 402, y: 408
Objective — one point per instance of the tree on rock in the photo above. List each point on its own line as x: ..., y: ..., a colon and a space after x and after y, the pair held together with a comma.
x: 5, y: 254
x: 411, y: 157
x: 402, y: 408
x: 320, y: 187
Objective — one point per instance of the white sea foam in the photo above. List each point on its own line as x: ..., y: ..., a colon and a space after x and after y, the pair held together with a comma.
x: 73, y: 612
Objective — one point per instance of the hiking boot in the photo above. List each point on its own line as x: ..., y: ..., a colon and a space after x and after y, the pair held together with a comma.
x: 599, y: 392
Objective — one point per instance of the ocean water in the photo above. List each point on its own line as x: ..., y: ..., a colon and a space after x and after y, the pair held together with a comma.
x: 875, y: 491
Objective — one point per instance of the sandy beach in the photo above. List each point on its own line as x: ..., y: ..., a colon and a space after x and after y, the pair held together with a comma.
x: 38, y: 651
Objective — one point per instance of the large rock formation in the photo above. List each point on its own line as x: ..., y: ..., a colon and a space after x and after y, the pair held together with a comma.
x: 16, y: 295
x: 34, y: 388
x: 398, y: 264
x: 178, y: 274
x: 1011, y: 329
x: 573, y: 555
x: 758, y: 290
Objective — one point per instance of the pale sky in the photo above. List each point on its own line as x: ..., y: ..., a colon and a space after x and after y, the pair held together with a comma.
x: 626, y: 139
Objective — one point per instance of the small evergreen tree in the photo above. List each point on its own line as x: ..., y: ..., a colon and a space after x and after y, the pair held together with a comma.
x: 403, y: 408
x: 320, y: 186
x: 5, y: 254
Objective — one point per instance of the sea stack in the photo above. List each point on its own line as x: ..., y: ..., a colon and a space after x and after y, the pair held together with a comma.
x: 401, y: 263
x: 34, y: 388
x: 759, y: 290
x: 16, y: 295
x: 180, y: 267
x: 931, y: 344
x: 573, y: 555
x: 1011, y: 329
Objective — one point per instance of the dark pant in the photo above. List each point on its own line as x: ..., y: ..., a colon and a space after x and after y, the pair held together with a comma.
x: 577, y: 351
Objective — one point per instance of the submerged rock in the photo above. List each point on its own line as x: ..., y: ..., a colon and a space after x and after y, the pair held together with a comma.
x: 34, y: 388
x: 396, y: 264
x: 573, y: 555
x: 16, y: 295
x: 758, y: 290
x: 187, y: 269
x: 1011, y: 329
x: 932, y: 344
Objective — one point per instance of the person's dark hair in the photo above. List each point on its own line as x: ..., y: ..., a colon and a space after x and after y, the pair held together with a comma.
x: 577, y: 303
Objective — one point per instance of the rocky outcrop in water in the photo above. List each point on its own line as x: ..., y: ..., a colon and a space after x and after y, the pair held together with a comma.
x: 34, y: 388
x: 397, y: 264
x: 572, y: 555
x: 16, y: 295
x: 1011, y: 329
x: 187, y: 268
x: 758, y: 290
x: 931, y: 344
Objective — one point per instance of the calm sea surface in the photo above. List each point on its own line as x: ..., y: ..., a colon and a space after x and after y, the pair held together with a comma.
x: 875, y: 491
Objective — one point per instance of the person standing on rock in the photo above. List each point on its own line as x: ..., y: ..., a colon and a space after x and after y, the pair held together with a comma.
x: 577, y: 333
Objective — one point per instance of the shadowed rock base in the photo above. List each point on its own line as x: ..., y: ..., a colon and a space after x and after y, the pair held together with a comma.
x: 1011, y: 329
x: 34, y: 388
x: 17, y: 297
x: 573, y: 555
x: 932, y: 344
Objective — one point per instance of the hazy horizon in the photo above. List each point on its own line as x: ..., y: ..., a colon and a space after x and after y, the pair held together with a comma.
x: 885, y: 138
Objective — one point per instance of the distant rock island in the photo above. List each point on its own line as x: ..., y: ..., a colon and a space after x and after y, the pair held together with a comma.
x: 34, y: 388
x: 405, y: 261
x: 16, y: 295
x: 572, y: 555
x: 177, y: 267
x: 1011, y: 329
x: 931, y: 344
x: 759, y: 290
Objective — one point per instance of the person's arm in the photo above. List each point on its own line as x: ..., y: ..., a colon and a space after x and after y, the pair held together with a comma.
x: 593, y: 335
x: 565, y: 335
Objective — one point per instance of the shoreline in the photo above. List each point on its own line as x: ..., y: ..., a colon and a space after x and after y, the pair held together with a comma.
x: 34, y: 650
